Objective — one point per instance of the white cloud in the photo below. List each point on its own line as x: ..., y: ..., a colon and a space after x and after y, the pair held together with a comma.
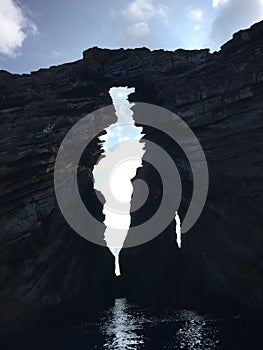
x: 143, y: 10
x: 15, y: 25
x: 219, y: 3
x: 198, y: 36
x: 233, y: 15
x: 137, y: 17
x: 196, y: 15
x: 137, y: 32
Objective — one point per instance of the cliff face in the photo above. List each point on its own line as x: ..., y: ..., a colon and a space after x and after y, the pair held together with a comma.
x: 47, y: 269
x: 219, y: 267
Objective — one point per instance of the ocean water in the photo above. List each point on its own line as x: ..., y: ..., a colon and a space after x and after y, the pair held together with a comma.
x: 126, y: 326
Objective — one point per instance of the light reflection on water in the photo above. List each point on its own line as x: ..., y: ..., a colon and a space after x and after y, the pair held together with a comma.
x: 129, y: 327
x: 122, y: 328
x: 196, y: 333
x: 126, y: 328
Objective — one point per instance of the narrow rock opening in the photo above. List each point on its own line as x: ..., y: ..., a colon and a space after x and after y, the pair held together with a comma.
x: 121, y: 157
x: 178, y: 229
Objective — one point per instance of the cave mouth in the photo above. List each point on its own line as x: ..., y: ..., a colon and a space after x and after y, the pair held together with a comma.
x: 116, y: 168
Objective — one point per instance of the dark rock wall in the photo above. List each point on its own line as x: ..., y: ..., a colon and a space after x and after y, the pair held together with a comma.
x: 219, y: 267
x: 45, y: 267
x: 46, y: 270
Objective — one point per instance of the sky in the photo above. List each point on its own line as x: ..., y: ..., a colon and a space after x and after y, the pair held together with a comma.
x: 114, y: 171
x: 36, y: 33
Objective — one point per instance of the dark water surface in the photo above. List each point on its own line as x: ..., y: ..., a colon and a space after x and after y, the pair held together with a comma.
x: 126, y: 326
